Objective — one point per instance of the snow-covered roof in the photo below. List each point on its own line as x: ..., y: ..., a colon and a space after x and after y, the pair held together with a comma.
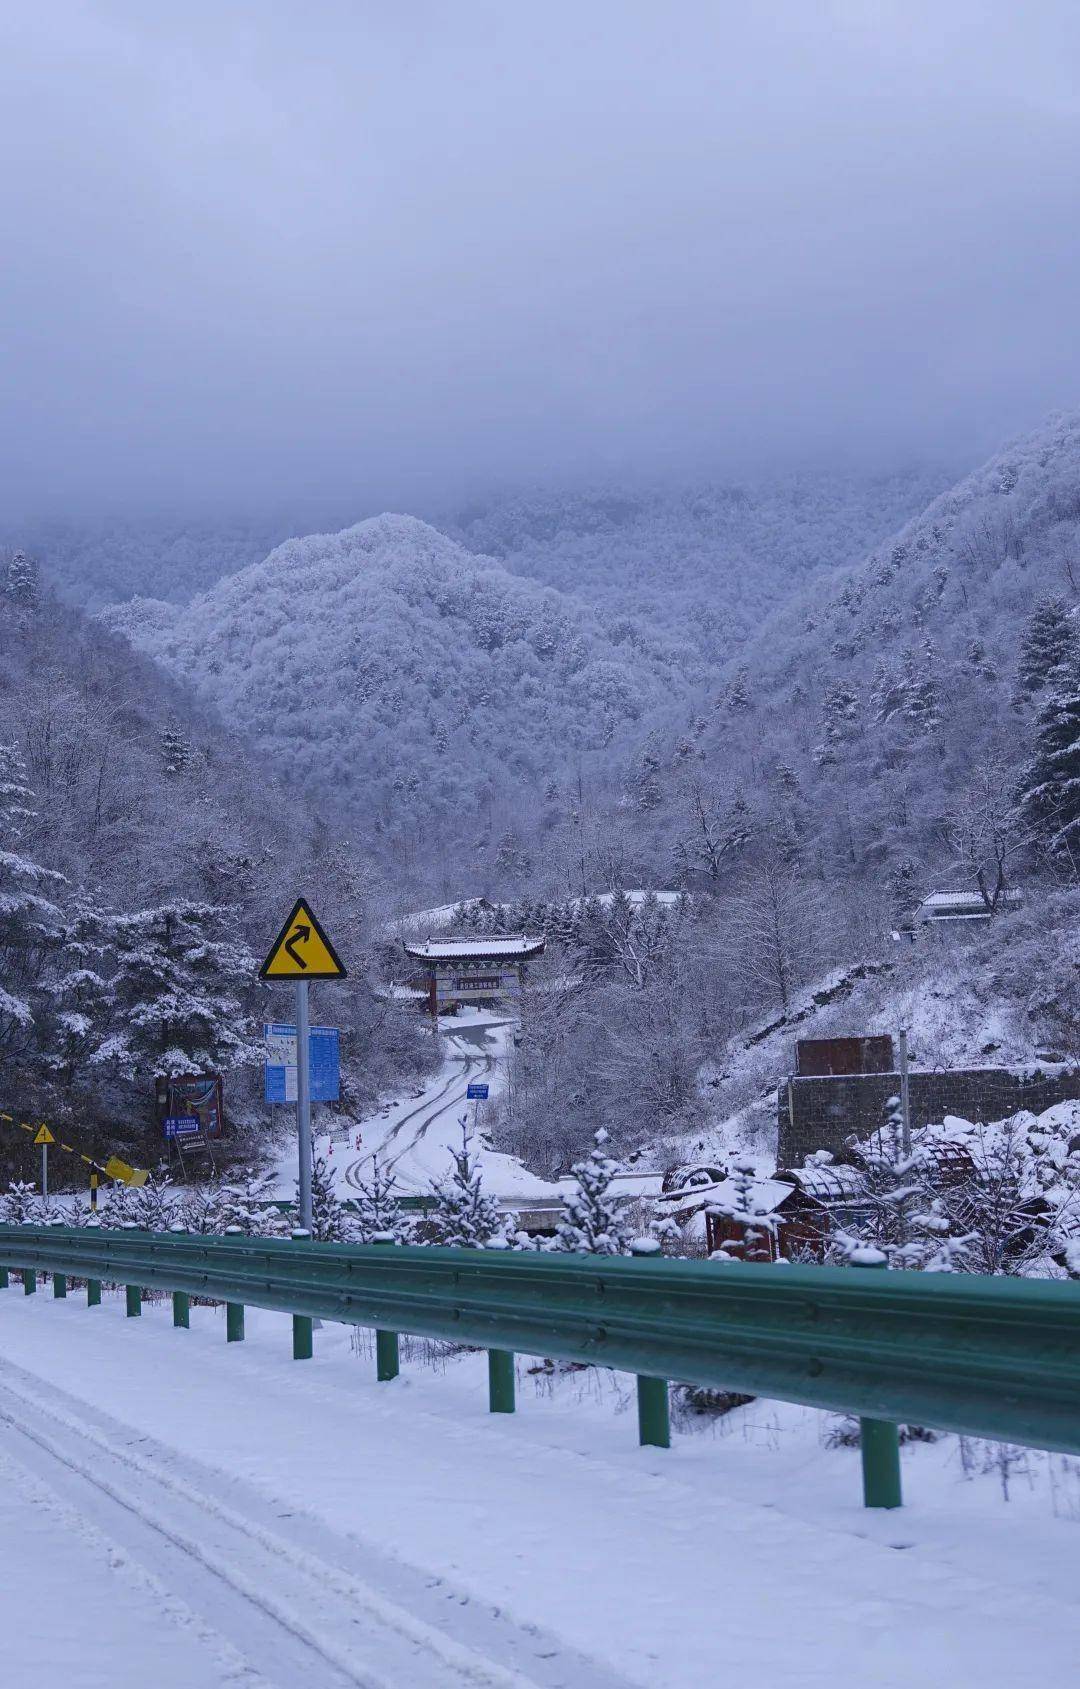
x: 964, y: 899
x: 478, y: 948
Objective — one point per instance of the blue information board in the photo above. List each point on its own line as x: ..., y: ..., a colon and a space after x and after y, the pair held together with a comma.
x: 180, y: 1125
x: 279, y: 1069
x: 476, y: 1093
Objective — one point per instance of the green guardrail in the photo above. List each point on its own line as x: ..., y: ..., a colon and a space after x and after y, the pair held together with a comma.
x: 990, y: 1357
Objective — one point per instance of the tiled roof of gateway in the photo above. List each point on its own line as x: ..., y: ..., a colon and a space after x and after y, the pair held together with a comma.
x: 455, y: 949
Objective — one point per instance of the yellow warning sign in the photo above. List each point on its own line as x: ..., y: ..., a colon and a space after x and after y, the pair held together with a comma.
x: 302, y: 950
x: 44, y: 1136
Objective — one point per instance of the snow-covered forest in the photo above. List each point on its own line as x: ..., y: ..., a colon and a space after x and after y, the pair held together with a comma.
x: 144, y: 856
x: 401, y: 722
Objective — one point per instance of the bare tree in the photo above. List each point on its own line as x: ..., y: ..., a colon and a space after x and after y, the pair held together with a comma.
x: 987, y: 831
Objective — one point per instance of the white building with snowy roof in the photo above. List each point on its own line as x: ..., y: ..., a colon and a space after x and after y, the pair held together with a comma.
x: 487, y: 971
x: 964, y: 905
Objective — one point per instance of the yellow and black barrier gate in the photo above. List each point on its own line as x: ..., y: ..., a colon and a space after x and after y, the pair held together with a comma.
x: 121, y: 1172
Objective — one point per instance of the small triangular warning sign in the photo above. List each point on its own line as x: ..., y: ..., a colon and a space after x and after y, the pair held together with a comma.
x: 44, y: 1136
x: 302, y: 950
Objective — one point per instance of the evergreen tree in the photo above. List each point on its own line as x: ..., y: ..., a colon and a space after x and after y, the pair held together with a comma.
x: 200, y: 1210
x: 176, y: 992
x: 1049, y: 788
x: 23, y: 584
x: 244, y: 1206
x: 30, y: 919
x: 841, y: 722
x: 175, y: 750
x: 755, y: 1224
x: 649, y: 793
x: 593, y: 1223
x: 330, y: 1222
x: 150, y: 1206
x: 463, y: 1214
x: 20, y: 1205
x: 1049, y: 638
x: 379, y: 1215
x: 737, y: 700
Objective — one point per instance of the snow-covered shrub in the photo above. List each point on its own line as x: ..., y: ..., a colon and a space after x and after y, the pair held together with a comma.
x: 463, y: 1214
x: 593, y: 1222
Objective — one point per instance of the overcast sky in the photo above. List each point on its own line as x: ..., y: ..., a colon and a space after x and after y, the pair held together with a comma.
x: 394, y: 251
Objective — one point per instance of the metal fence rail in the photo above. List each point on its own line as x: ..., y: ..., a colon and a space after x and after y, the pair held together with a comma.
x: 995, y: 1358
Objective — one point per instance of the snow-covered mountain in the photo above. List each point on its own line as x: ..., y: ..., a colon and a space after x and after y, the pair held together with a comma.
x: 388, y: 666
x: 707, y: 560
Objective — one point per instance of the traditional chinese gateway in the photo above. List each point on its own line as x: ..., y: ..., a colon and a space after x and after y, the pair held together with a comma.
x: 485, y: 972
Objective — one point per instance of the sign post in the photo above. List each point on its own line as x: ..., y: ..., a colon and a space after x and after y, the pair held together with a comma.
x: 303, y: 1100
x: 303, y: 952
x: 44, y: 1137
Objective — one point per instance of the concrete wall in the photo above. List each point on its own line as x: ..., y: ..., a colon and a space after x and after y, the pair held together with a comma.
x: 822, y: 1113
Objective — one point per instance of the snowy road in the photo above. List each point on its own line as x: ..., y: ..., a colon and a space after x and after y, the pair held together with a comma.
x: 416, y: 1139
x: 183, y: 1512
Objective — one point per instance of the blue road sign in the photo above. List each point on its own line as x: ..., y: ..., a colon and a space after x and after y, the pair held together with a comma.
x: 180, y: 1125
x: 476, y: 1093
x: 279, y: 1068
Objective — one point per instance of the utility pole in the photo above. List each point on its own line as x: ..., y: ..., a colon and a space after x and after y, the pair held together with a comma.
x: 905, y: 1101
x: 303, y: 1101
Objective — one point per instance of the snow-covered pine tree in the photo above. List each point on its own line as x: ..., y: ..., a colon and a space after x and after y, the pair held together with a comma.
x: 841, y: 722
x: 379, y: 1215
x: 593, y: 1222
x: 754, y: 1223
x: 151, y: 1206
x: 330, y: 1222
x: 20, y: 1205
x: 177, y: 992
x: 77, y: 993
x: 200, y: 1209
x: 244, y: 1205
x: 175, y: 750
x: 115, y: 1205
x: 23, y: 584
x: 1049, y: 787
x: 30, y: 918
x: 895, y: 1189
x: 1049, y: 638
x: 737, y: 699
x: 649, y: 793
x: 464, y: 1215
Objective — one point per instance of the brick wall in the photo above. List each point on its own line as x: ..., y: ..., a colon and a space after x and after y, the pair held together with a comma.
x: 822, y: 1113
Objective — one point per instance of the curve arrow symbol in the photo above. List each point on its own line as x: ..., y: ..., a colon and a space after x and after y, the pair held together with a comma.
x: 299, y: 935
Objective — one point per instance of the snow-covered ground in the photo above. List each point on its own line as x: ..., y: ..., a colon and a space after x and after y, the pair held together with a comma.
x: 186, y: 1512
x: 415, y: 1135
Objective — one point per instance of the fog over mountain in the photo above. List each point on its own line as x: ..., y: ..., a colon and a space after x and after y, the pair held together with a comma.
x: 363, y: 259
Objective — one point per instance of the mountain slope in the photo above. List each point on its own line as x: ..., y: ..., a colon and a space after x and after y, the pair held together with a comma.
x: 708, y: 560
x: 864, y: 708
x: 427, y: 687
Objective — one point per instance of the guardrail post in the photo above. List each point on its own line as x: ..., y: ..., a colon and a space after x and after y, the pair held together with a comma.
x: 653, y: 1413
x: 133, y: 1296
x: 303, y: 1346
x: 500, y: 1381
x: 234, y: 1311
x: 29, y: 1281
x: 3, y: 1278
x: 387, y: 1358
x: 93, y: 1285
x: 181, y: 1301
x: 879, y: 1447
x: 59, y: 1284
